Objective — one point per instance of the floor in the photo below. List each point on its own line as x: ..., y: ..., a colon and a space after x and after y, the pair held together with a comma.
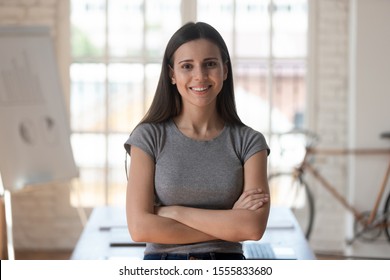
x: 380, y: 249
x: 42, y: 255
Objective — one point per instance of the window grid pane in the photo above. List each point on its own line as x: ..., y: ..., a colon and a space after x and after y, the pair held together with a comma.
x: 290, y: 28
x: 252, y: 28
x: 125, y: 28
x: 88, y: 23
x: 125, y: 96
x: 159, y: 29
x: 218, y: 13
x: 251, y: 89
x: 289, y: 93
x: 88, y: 108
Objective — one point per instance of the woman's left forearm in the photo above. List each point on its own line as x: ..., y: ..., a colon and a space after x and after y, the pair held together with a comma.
x: 230, y: 225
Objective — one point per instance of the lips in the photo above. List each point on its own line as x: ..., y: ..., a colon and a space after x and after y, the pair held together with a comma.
x: 200, y: 89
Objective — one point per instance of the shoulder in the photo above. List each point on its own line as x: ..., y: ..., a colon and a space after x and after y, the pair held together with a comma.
x: 247, y: 140
x: 146, y: 136
x: 148, y: 129
x: 245, y: 130
x: 246, y: 133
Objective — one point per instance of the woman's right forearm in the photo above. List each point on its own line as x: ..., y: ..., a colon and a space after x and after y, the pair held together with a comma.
x: 156, y: 229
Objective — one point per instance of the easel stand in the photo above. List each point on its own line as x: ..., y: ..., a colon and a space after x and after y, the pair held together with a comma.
x: 8, y: 224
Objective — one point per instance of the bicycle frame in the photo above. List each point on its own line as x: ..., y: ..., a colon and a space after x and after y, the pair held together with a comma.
x: 306, y: 165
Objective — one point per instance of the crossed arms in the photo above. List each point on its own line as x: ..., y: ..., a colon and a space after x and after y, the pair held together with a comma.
x: 247, y: 219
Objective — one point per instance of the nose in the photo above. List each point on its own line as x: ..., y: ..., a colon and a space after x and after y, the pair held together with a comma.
x: 200, y: 73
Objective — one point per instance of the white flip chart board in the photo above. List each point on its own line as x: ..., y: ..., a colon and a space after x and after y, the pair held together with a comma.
x: 34, y: 129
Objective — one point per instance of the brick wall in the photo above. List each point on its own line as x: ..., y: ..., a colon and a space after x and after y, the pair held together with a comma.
x: 42, y: 215
x: 330, y: 43
x: 44, y: 219
x: 51, y: 13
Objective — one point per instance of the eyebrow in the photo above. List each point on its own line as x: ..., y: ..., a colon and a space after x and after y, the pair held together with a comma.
x: 191, y: 60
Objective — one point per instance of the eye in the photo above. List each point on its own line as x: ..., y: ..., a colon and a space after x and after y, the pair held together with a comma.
x: 186, y: 66
x: 211, y: 64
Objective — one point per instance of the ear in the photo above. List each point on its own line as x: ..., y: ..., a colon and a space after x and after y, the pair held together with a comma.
x: 225, y: 71
x: 172, y: 74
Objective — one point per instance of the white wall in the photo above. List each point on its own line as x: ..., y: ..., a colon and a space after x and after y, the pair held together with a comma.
x: 370, y: 95
x: 328, y: 107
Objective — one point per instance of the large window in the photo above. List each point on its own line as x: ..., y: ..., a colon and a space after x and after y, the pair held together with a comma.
x: 117, y: 48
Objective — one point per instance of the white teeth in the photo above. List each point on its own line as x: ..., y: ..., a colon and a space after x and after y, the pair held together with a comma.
x: 200, y: 89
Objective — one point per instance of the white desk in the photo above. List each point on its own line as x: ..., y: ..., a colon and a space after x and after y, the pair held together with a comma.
x: 106, y: 223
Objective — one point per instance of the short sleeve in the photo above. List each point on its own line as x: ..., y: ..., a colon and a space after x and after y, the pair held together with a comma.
x: 144, y: 136
x: 252, y: 142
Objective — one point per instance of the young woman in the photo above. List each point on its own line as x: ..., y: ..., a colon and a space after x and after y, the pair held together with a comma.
x: 198, y: 176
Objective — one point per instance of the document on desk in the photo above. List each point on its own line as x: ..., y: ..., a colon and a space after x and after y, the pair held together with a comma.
x: 120, y: 237
x: 280, y: 223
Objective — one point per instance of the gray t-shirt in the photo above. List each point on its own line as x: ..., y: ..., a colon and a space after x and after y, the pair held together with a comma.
x: 193, y: 173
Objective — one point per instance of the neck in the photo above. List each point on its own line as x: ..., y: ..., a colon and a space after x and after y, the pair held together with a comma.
x: 199, y: 124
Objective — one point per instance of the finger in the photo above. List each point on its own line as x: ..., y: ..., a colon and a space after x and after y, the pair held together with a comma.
x: 246, y: 200
x: 259, y: 204
x: 257, y: 196
x: 254, y: 197
x: 256, y: 206
x: 248, y: 196
x: 249, y: 193
x: 253, y: 203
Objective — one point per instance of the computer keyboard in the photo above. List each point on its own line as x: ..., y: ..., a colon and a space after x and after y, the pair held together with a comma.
x: 260, y: 251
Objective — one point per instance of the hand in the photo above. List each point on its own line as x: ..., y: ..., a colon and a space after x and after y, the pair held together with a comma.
x: 251, y: 200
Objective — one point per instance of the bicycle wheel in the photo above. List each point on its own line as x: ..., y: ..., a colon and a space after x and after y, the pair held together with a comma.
x: 290, y: 191
x: 386, y: 213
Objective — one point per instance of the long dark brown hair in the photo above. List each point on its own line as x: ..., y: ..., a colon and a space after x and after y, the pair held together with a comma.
x: 167, y: 100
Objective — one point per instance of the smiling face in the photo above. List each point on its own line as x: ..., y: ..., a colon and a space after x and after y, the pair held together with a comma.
x: 198, y: 72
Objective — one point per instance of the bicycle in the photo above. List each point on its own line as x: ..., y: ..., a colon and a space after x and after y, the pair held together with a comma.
x: 295, y: 192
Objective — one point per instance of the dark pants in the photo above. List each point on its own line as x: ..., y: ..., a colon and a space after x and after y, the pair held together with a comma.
x: 195, y: 256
